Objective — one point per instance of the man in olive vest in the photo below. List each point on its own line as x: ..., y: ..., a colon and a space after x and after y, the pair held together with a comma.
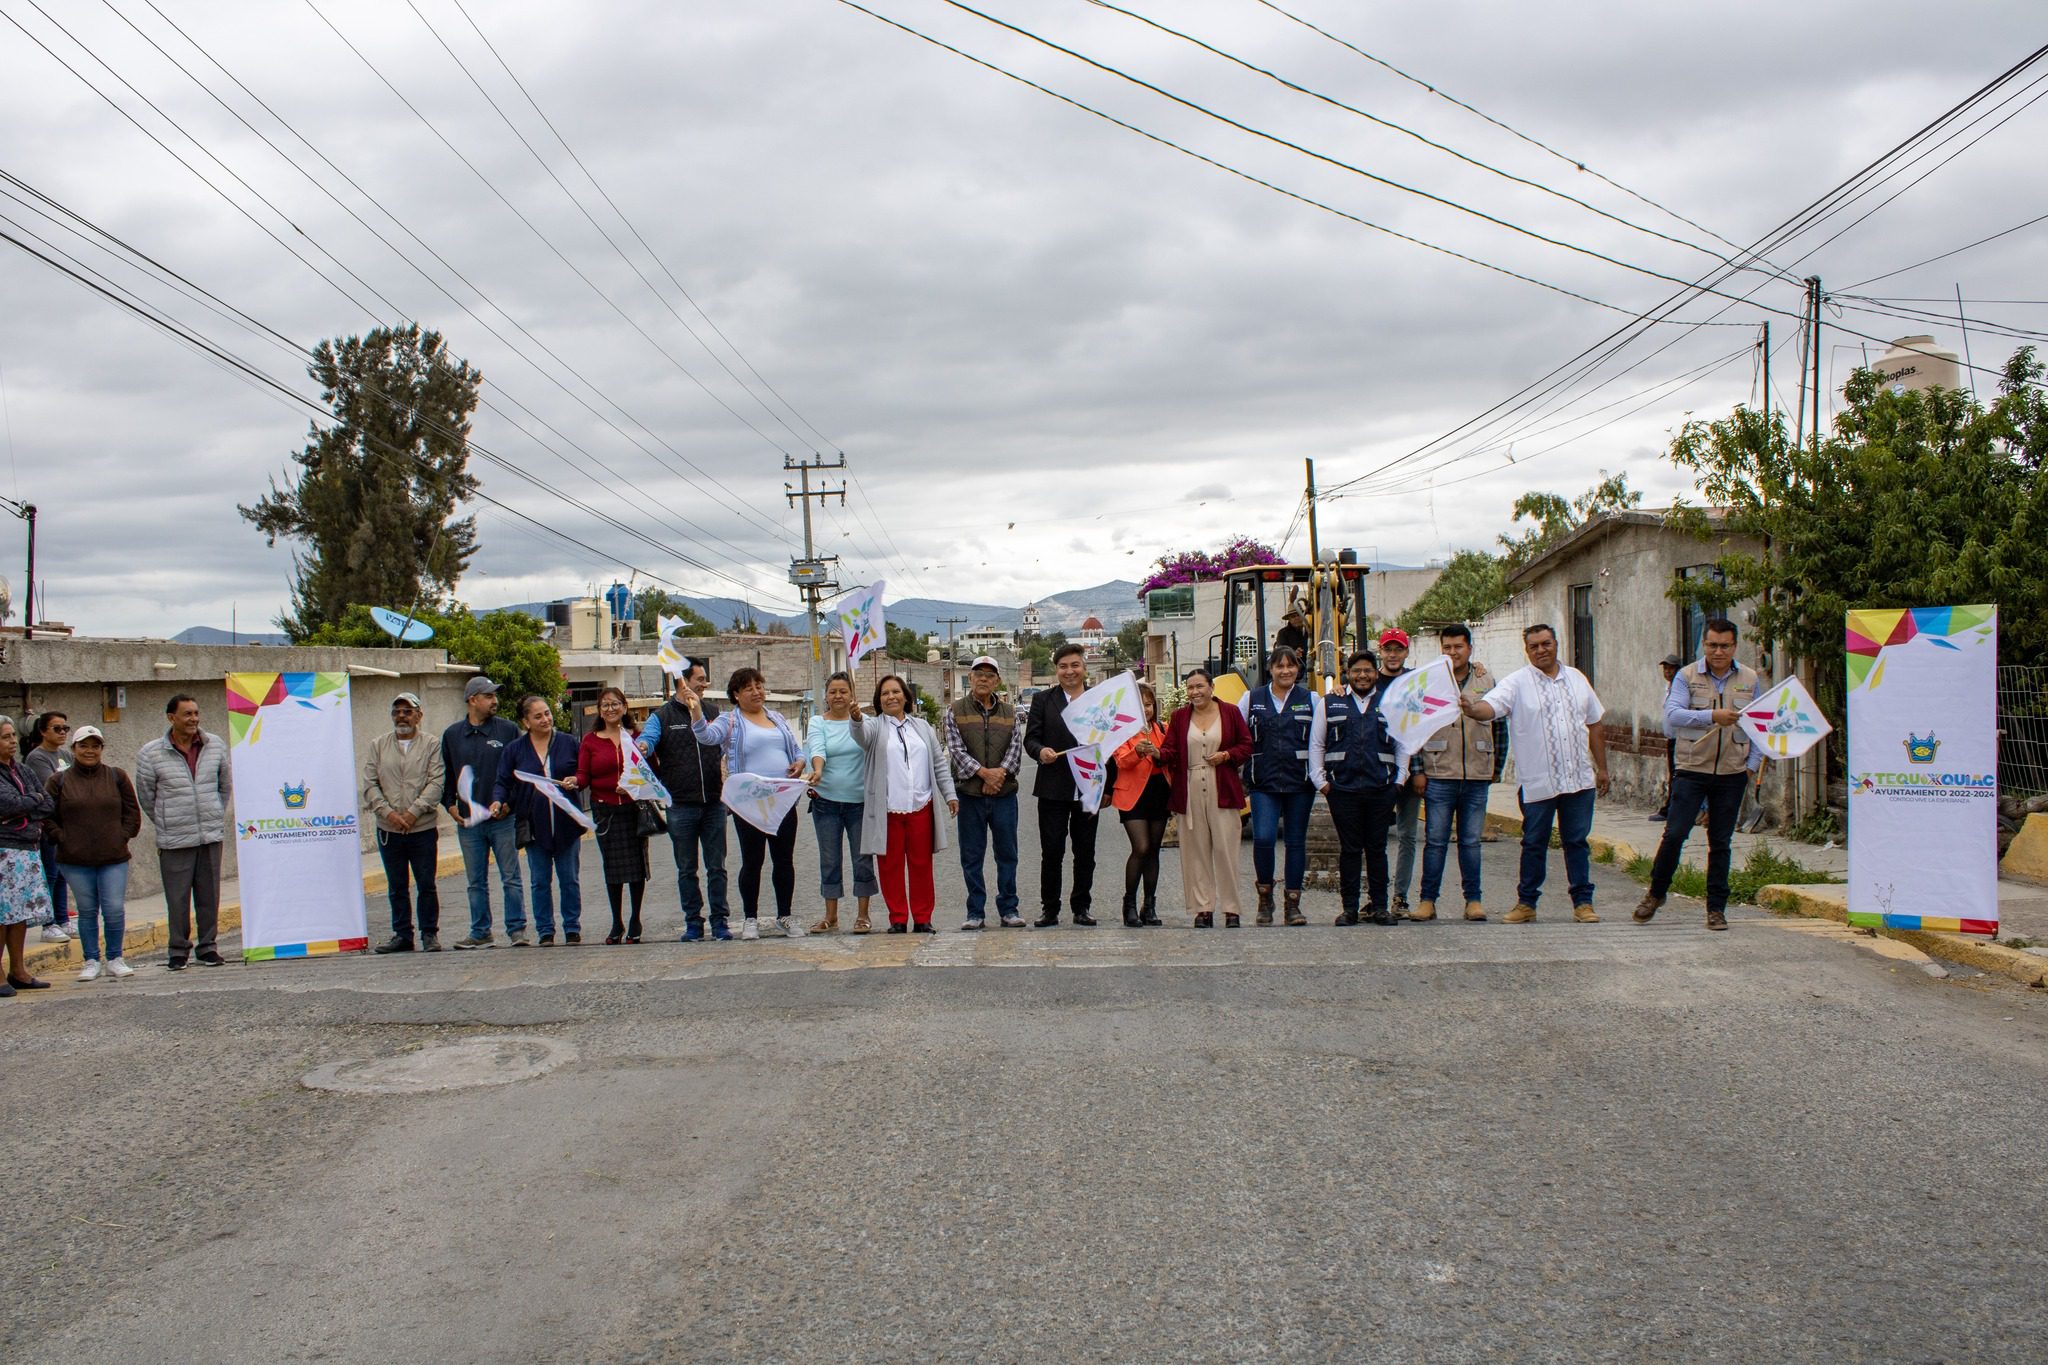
x: 986, y: 745
x: 1714, y: 760
x: 1458, y: 763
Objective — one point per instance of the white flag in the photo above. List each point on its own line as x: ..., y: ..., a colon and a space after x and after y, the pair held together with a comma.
x: 1090, y: 768
x: 1419, y: 703
x: 861, y: 624
x: 558, y: 798
x: 763, y: 802
x: 672, y: 660
x: 638, y: 780
x: 465, y: 783
x: 1785, y: 721
x: 1106, y: 714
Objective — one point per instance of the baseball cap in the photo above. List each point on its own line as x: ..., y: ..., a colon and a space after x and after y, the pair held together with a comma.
x: 409, y: 698
x: 1393, y: 635
x: 1672, y: 661
x: 479, y: 686
x: 984, y: 661
x: 85, y: 732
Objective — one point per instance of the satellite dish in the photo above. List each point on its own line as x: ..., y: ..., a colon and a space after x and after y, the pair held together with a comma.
x: 401, y: 628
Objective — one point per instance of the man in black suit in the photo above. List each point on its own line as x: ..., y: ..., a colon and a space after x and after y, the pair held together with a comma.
x: 1060, y: 817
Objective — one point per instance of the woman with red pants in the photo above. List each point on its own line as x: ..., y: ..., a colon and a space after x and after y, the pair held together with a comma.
x: 908, y: 775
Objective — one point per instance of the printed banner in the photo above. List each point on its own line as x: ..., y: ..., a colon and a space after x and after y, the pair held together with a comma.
x: 1419, y: 703
x: 297, y: 836
x: 1923, y: 768
x: 557, y: 798
x: 861, y: 623
x: 638, y: 780
x: 763, y: 802
x: 1784, y: 721
x: 1091, y: 773
x: 672, y: 660
x: 1106, y: 714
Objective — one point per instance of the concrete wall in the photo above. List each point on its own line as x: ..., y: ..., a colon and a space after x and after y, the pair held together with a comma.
x: 78, y: 676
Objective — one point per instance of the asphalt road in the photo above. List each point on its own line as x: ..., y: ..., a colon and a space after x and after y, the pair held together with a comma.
x: 1447, y: 1142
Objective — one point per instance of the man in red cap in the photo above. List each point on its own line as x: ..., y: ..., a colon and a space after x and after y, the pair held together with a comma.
x: 1408, y: 809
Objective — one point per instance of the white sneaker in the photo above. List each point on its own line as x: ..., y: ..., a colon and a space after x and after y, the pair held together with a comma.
x: 750, y: 930
x: 118, y: 967
x: 789, y: 927
x: 91, y: 971
x: 54, y: 933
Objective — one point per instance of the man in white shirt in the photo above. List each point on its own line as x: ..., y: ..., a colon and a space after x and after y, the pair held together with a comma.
x: 1560, y: 758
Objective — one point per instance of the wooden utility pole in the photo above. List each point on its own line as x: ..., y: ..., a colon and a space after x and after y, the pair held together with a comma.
x: 951, y: 663
x: 810, y: 574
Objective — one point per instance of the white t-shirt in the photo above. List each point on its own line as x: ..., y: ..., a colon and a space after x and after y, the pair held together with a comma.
x: 910, y: 767
x: 1547, y: 719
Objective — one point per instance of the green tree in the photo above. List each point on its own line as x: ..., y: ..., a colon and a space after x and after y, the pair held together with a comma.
x: 1915, y: 499
x: 655, y: 604
x: 1038, y: 649
x: 1127, y: 646
x: 1471, y: 585
x: 371, y: 507
x: 505, y: 646
x: 905, y: 643
x: 1555, y: 518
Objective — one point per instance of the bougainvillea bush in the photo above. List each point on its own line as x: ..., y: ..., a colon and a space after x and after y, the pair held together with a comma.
x: 1195, y: 566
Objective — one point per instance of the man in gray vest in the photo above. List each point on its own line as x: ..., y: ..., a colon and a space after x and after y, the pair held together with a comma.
x: 694, y: 775
x: 986, y: 745
x: 1714, y: 760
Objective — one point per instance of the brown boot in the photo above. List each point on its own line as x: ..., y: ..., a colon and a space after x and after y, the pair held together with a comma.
x: 1423, y: 910
x: 1474, y: 910
x: 1648, y: 906
x: 1229, y: 920
x: 1265, y: 915
x: 1717, y: 919
x: 1521, y: 914
x: 1206, y: 920
x: 1584, y: 914
x: 1294, y: 915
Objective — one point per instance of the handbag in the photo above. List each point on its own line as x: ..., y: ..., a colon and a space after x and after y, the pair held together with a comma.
x: 650, y: 818
x: 522, y: 832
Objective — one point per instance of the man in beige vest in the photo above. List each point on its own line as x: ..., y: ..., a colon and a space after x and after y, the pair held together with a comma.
x: 1714, y: 760
x: 1458, y: 763
x: 402, y: 779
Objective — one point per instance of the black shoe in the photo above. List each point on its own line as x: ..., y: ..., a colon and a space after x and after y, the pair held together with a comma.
x: 1385, y: 916
x: 572, y: 937
x: 5, y: 990
x: 1131, y: 920
x: 1347, y: 919
x: 922, y: 929
x: 210, y: 958
x: 394, y: 944
x: 1084, y: 919
x: 546, y: 940
x: 899, y: 928
x: 1149, y: 916
x: 1048, y: 920
x: 176, y: 964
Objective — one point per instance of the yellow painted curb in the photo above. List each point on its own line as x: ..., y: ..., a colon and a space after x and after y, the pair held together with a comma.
x: 1617, y: 851
x: 157, y: 934
x: 2027, y: 856
x: 1815, y: 903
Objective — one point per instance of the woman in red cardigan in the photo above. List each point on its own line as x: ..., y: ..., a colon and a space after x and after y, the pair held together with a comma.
x: 1140, y: 797
x: 1204, y: 745
x: 600, y: 763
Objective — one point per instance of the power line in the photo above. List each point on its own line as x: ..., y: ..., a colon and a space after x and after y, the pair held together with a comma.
x: 1957, y: 251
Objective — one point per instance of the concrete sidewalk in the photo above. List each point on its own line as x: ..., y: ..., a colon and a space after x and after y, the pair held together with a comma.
x: 1630, y: 833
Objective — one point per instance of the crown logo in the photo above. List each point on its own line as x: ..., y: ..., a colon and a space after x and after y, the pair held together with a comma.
x: 295, y: 797
x: 1920, y: 750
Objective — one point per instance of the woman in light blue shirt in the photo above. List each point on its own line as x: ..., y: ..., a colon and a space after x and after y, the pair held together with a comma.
x: 838, y: 775
x: 756, y: 740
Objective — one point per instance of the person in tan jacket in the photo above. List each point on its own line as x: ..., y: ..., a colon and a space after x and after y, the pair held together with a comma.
x: 1458, y: 767
x: 402, y: 780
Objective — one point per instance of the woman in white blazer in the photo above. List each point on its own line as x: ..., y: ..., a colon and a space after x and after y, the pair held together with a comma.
x: 908, y: 775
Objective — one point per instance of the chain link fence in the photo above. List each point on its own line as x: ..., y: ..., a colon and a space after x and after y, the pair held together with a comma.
x: 2023, y: 730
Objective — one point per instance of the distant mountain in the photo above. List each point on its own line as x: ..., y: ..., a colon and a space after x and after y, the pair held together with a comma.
x: 207, y: 635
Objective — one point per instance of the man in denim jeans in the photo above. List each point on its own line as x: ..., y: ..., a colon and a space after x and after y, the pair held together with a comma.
x: 1561, y: 760
x: 987, y: 748
x: 694, y: 776
x: 475, y: 742
x: 1457, y: 763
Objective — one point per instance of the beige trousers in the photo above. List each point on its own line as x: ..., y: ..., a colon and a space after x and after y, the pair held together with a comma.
x: 1208, y: 837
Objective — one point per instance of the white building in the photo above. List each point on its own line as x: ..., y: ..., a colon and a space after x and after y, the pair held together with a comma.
x: 1033, y: 623
x: 981, y: 640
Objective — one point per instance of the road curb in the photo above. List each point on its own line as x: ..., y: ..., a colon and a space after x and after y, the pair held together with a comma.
x: 1617, y: 851
x: 1816, y: 903
x: 157, y: 934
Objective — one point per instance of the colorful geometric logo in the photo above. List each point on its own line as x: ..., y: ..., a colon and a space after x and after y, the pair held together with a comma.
x: 294, y: 797
x: 250, y: 693
x: 1871, y: 633
x: 1920, y: 750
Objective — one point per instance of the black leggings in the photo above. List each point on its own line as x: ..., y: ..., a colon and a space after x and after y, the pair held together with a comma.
x: 782, y: 849
x: 613, y: 889
x: 1145, y: 837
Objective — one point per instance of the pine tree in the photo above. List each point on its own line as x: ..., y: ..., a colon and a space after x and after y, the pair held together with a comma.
x: 372, y: 504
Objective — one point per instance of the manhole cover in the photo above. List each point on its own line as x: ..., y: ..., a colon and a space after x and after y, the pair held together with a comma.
x: 487, y: 1060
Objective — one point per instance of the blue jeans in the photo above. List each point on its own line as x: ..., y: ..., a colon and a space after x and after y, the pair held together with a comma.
x: 981, y: 816
x: 1443, y: 800
x: 1405, y: 811
x: 695, y: 830
x: 1573, y: 813
x: 53, y: 878
x: 492, y: 839
x: 834, y: 821
x: 1270, y: 812
x: 567, y: 867
x: 409, y: 863
x: 102, y: 896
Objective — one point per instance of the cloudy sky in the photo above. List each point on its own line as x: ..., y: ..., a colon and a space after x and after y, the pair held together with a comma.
x: 1051, y: 349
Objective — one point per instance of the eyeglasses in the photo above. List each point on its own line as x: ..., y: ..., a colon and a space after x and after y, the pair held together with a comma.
x: 58, y: 729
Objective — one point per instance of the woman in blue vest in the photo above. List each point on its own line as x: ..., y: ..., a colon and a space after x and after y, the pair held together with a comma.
x: 1282, y: 717
x: 1354, y: 764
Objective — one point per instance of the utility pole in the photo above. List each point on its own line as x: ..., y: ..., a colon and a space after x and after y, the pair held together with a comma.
x: 1316, y: 616
x: 27, y: 512
x: 951, y: 663
x: 811, y: 574
x: 1767, y: 377
x: 1813, y: 311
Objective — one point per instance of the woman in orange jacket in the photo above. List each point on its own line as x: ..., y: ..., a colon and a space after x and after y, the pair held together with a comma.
x: 1140, y: 797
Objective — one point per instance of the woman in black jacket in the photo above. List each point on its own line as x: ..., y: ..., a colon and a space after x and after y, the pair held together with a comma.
x: 24, y: 896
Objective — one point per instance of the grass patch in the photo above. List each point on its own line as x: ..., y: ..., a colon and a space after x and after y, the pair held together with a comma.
x: 1818, y: 827
x: 1766, y: 867
x: 1604, y: 854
